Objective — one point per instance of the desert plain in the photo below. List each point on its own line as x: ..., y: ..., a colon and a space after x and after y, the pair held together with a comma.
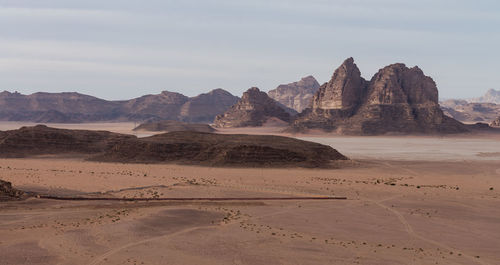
x: 410, y: 200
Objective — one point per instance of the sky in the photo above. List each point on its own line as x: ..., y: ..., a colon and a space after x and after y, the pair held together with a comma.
x: 121, y: 49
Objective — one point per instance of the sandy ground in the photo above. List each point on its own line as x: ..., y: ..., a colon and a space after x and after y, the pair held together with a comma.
x: 403, y: 207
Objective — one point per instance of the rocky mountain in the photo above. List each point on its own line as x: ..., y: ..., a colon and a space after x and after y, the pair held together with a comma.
x: 297, y: 95
x: 204, y: 107
x: 253, y: 109
x: 491, y: 96
x: 470, y: 112
x: 397, y: 99
x: 165, y: 105
x: 76, y: 108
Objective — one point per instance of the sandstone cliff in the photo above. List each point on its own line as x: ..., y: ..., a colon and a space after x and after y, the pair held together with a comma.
x: 397, y: 99
x: 297, y: 95
x: 253, y: 109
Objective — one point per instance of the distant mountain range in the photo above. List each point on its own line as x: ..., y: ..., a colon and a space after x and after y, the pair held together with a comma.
x: 75, y: 107
x: 397, y: 99
x: 484, y: 109
x: 491, y: 96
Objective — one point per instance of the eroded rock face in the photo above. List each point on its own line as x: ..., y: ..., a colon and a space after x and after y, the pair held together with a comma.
x: 343, y: 91
x: 253, y: 109
x: 296, y: 95
x: 397, y: 99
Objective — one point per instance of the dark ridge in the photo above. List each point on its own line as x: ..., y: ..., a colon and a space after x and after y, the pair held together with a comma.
x: 174, y: 126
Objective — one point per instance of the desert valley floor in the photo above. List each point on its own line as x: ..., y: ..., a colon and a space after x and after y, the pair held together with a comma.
x: 410, y: 200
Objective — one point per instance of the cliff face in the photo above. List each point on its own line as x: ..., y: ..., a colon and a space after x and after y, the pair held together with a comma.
x: 343, y: 91
x: 296, y: 95
x: 253, y: 109
x: 397, y: 99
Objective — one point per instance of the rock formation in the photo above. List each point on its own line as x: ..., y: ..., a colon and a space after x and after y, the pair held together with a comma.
x: 297, y: 95
x: 223, y: 150
x: 42, y: 140
x: 205, y: 107
x: 496, y: 122
x: 253, y: 109
x: 174, y: 147
x: 75, y: 108
x: 8, y: 193
x: 174, y: 126
x: 397, y: 99
x: 164, y: 106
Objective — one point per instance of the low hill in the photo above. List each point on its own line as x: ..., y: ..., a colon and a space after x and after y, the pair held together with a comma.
x: 173, y: 126
x: 43, y: 140
x: 195, y: 148
x: 223, y: 150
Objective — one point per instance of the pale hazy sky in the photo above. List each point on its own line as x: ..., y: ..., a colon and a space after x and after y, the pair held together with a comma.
x: 118, y: 49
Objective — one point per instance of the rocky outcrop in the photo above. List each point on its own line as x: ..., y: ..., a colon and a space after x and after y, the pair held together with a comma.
x: 205, y: 107
x: 164, y: 106
x: 174, y: 126
x: 223, y: 150
x: 185, y: 147
x: 297, y: 95
x: 344, y: 91
x: 76, y: 108
x: 253, y: 109
x: 397, y: 99
x: 8, y: 193
x: 496, y: 122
